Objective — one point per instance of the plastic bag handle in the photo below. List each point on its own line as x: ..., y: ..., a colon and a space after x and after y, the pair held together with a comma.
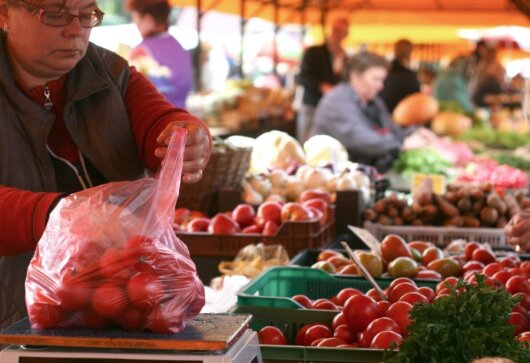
x: 168, y: 179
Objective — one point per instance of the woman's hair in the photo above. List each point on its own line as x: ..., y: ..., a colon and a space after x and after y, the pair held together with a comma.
x: 362, y: 61
x: 158, y: 9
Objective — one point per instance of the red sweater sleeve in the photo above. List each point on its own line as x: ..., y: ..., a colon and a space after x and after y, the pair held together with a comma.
x: 150, y: 113
x: 23, y: 220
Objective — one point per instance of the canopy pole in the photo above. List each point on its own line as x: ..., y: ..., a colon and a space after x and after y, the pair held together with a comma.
x: 276, y: 30
x: 197, y: 58
x: 242, y: 24
x: 323, y: 14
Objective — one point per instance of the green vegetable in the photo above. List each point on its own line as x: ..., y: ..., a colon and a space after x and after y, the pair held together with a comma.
x: 425, y: 161
x: 495, y: 139
x: 462, y: 327
x: 513, y: 161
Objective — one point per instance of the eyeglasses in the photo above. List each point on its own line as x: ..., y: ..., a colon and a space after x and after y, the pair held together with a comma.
x: 61, y: 18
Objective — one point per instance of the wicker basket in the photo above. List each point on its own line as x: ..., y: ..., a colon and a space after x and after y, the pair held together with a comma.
x: 225, y: 170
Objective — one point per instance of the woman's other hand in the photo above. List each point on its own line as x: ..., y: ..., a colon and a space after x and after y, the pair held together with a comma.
x: 518, y: 231
x: 196, y: 152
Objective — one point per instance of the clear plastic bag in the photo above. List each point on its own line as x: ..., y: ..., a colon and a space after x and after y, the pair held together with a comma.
x: 109, y: 257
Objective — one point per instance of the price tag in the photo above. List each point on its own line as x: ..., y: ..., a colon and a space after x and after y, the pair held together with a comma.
x: 438, y: 182
x: 368, y: 239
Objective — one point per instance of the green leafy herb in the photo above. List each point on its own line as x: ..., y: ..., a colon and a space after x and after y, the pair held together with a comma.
x: 461, y: 327
x: 426, y: 161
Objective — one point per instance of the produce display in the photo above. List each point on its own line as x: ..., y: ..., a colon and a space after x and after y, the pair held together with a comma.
x: 282, y: 185
x: 493, y: 138
x: 462, y: 205
x: 489, y: 171
x: 483, y: 312
x: 422, y: 161
x: 311, y: 205
x: 415, y: 109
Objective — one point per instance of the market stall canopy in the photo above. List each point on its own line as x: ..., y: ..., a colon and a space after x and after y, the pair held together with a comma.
x: 417, y: 12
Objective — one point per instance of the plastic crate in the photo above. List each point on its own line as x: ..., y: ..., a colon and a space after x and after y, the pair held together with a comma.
x: 440, y: 236
x: 290, y: 321
x: 275, y: 287
x: 294, y: 236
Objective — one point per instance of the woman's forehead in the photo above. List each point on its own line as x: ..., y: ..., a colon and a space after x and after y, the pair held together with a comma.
x: 64, y: 3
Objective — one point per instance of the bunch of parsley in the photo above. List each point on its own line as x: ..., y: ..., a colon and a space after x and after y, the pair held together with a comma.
x: 461, y: 327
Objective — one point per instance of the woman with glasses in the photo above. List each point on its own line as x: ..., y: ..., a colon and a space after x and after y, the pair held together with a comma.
x: 72, y: 116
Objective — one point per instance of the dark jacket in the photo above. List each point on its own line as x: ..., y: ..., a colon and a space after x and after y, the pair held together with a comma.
x: 316, y: 68
x: 399, y: 83
x: 97, y: 120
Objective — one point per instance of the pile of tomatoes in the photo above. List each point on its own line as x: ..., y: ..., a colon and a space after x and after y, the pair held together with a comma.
x: 138, y: 284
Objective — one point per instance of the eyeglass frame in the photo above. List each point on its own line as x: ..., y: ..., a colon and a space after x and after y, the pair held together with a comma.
x: 40, y: 13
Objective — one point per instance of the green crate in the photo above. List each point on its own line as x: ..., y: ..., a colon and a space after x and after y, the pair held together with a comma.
x: 276, y: 286
x: 290, y: 321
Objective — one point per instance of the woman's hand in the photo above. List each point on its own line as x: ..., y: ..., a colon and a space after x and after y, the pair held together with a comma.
x: 196, y: 152
x: 518, y: 231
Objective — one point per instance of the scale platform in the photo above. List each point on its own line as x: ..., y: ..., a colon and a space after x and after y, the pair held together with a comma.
x: 206, y: 332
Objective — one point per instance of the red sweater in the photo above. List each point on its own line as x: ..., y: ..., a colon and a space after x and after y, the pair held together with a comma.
x: 24, y: 213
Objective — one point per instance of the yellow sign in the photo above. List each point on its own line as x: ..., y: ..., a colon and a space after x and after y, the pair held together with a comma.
x: 438, y: 182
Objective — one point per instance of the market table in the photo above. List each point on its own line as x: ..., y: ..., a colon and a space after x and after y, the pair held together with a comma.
x: 208, y: 338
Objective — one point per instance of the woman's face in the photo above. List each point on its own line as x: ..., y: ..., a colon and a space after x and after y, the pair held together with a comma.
x: 369, y: 83
x: 38, y: 52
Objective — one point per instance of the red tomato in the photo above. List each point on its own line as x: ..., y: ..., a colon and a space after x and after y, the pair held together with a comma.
x: 517, y: 284
x: 400, y: 290
x: 472, y: 266
x: 431, y: 254
x: 132, y: 319
x: 379, y: 325
x: 420, y: 246
x: 244, y: 215
x: 346, y: 293
x: 324, y: 304
x: 86, y: 253
x: 363, y: 341
x: 414, y: 298
x: 525, y: 299
x: 300, y: 335
x: 315, y: 332
x: 502, y: 277
x: 382, y: 307
x: 373, y: 294
x: 74, y: 294
x: 331, y: 342
x: 327, y: 253
x: 515, y: 271
x: 338, y: 320
x: 396, y: 282
x: 303, y: 300
x: 115, y: 264
x: 359, y: 311
x: 350, y: 269
x: 399, y: 312
x: 524, y: 338
x: 145, y: 290
x: 158, y: 321
x: 510, y: 260
x: 393, y: 246
x: 344, y: 333
x: 483, y: 255
x: 519, y: 321
x: 338, y: 262
x: 271, y: 335
x: 427, y: 292
x: 43, y: 312
x: 109, y: 300
x: 492, y: 268
x: 469, y: 248
x: 525, y: 268
x: 428, y: 274
x: 446, y: 283
x: 386, y: 340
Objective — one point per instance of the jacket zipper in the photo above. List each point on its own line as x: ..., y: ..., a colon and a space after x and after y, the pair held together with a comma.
x: 47, y: 100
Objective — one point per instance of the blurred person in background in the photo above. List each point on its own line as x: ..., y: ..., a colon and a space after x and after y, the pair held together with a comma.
x: 354, y: 114
x: 152, y: 20
x: 321, y: 69
x: 401, y: 80
x: 426, y: 76
x: 472, y: 66
x: 490, y: 79
x: 450, y: 84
